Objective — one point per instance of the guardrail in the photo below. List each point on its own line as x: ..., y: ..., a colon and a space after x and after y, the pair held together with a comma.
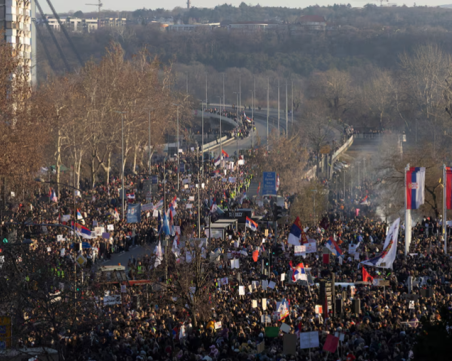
x: 343, y: 148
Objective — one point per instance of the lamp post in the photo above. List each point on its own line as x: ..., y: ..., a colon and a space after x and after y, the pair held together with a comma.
x: 178, y: 159
x: 122, y: 164
x: 149, y: 136
x: 221, y: 139
x: 252, y: 118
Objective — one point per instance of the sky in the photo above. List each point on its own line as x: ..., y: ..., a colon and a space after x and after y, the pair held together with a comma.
x: 130, y: 5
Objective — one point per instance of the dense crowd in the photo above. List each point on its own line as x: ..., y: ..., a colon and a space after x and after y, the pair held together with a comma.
x: 384, y: 327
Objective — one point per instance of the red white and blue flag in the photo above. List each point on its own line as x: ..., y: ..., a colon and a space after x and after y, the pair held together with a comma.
x: 415, y: 185
x: 448, y: 181
x: 53, y: 196
x: 172, y: 206
x: 298, y: 272
x: 82, y: 231
x: 251, y: 224
x: 217, y: 161
x: 295, y: 233
x: 79, y: 215
x: 334, y: 247
x: 226, y: 155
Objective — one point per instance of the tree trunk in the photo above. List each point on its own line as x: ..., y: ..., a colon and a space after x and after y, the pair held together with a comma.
x: 58, y: 163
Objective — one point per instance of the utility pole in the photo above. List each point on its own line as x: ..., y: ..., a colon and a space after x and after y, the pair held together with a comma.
x: 279, y: 112
x: 199, y: 207
x: 268, y: 101
x: 252, y: 119
x: 287, y: 116
x: 149, y: 134
x: 292, y: 103
x: 178, y: 160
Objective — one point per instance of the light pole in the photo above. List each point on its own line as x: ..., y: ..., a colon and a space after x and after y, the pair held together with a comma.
x: 268, y: 104
x: 178, y: 159
x: 202, y: 129
x: 279, y: 111
x: 221, y: 139
x: 149, y: 136
x: 122, y: 165
x: 252, y: 118
x: 287, y: 116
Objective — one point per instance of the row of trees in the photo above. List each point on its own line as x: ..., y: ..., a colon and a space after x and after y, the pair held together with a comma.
x: 75, y: 120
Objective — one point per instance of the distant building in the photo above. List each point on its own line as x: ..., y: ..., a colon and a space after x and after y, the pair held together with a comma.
x: 312, y: 22
x: 191, y: 27
x: 83, y: 25
x: 16, y: 24
x: 254, y: 26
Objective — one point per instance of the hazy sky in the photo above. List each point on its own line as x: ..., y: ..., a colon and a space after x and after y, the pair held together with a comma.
x: 67, y: 5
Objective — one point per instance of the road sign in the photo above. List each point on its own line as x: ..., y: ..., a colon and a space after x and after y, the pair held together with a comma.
x: 5, y: 333
x: 269, y: 183
x: 81, y: 260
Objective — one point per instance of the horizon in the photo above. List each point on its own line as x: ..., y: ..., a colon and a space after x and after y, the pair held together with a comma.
x: 63, y: 6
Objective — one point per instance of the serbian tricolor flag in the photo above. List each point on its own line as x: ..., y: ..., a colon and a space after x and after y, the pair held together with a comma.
x: 415, y: 184
x: 333, y: 247
x: 295, y: 233
x: 79, y: 215
x: 251, y: 224
x: 298, y: 272
x: 448, y: 181
x: 83, y: 231
x: 217, y: 161
x: 226, y: 155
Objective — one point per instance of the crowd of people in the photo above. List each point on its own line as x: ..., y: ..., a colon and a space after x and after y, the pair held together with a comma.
x: 248, y: 300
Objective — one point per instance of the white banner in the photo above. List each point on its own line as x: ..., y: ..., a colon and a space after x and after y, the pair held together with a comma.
x: 387, y: 257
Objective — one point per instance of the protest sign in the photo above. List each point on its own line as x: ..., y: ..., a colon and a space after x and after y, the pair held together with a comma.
x: 299, y: 250
x: 241, y: 290
x: 309, y: 339
x: 311, y: 247
x: 331, y: 343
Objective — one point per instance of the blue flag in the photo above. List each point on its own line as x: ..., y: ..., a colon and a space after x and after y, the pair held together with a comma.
x: 159, y: 222
x: 165, y: 228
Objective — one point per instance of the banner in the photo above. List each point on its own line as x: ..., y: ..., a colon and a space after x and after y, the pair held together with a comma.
x: 387, y: 257
x: 134, y: 213
x: 269, y: 183
x: 448, y: 183
x: 414, y: 187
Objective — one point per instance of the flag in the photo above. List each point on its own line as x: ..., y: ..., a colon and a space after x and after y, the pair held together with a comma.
x: 387, y: 257
x: 53, y: 196
x: 333, y: 247
x: 448, y: 184
x: 173, y: 205
x: 258, y: 188
x: 159, y: 205
x: 175, y: 248
x: 364, y: 201
x: 295, y: 233
x: 116, y: 214
x: 251, y: 224
x: 217, y: 161
x: 79, y: 215
x: 159, y: 223
x: 277, y: 182
x: 366, y: 276
x: 283, y: 309
x: 83, y: 231
x: 130, y: 196
x: 331, y: 343
x: 298, y: 272
x: 165, y: 227
x: 158, y: 255
x: 223, y: 152
x: 255, y: 255
x: 414, y: 187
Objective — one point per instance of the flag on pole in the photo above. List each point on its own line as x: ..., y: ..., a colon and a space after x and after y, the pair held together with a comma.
x: 334, y: 247
x: 83, y: 231
x: 165, y: 228
x: 415, y: 184
x: 366, y: 276
x: 251, y: 224
x: 116, y: 214
x: 223, y: 152
x: 298, y: 272
x: 295, y: 233
x: 79, y: 215
x: 387, y: 257
x: 158, y: 255
x: 448, y: 187
x: 53, y: 196
x: 364, y: 201
x: 217, y: 161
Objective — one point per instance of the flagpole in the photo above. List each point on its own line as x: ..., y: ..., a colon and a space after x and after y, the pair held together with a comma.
x: 444, y: 208
x: 407, y: 217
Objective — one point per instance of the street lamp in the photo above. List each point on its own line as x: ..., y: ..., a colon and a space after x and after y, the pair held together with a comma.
x: 178, y: 160
x: 252, y: 118
x: 221, y: 139
x: 122, y: 165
